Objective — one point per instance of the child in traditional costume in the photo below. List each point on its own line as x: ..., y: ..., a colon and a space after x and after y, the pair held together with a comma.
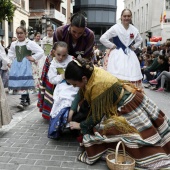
x: 123, y: 62
x: 47, y: 41
x: 22, y: 52
x: 119, y: 112
x: 63, y: 93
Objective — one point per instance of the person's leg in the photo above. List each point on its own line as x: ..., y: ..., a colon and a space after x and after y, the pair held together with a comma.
x: 148, y: 75
x: 163, y: 73
x: 27, y: 99
x: 21, y: 104
x: 165, y: 76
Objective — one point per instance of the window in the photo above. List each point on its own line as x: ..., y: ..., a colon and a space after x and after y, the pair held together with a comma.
x: 167, y: 4
x: 63, y: 11
x: 23, y: 4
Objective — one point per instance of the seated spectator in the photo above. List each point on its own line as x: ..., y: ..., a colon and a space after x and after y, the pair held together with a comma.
x: 164, y: 76
x: 147, y: 60
x: 159, y: 64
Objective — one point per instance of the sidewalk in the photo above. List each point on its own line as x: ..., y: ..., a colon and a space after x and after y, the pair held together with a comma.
x: 24, y: 144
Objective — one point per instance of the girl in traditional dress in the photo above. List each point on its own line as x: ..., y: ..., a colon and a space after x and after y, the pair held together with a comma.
x: 119, y: 112
x: 123, y: 62
x: 63, y: 93
x: 47, y: 41
x: 38, y: 65
x: 22, y: 52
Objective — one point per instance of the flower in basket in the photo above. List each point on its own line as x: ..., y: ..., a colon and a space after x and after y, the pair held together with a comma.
x: 131, y: 35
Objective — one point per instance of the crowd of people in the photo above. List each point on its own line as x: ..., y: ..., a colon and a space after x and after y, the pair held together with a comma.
x: 97, y: 95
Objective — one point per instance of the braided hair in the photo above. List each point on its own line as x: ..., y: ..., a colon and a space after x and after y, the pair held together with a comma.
x: 78, y: 68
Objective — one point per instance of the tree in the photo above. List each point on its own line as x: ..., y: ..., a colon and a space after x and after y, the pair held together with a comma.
x: 7, y: 10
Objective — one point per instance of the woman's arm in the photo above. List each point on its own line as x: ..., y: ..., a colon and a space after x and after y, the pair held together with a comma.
x: 138, y: 41
x: 86, y: 126
x: 37, y: 51
x: 104, y: 39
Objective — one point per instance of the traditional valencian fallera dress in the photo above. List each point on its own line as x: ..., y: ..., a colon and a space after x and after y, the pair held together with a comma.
x: 123, y: 62
x: 46, y: 44
x: 120, y: 112
x: 20, y: 76
x: 5, y: 115
x: 4, y: 73
x: 63, y: 96
x: 45, y: 95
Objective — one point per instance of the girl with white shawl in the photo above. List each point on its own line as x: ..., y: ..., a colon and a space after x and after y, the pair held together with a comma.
x: 64, y: 93
x: 123, y: 62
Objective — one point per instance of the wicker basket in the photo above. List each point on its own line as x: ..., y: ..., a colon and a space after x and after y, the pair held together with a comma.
x: 116, y: 161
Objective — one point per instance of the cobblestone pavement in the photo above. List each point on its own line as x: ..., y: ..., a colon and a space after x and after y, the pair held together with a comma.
x: 24, y: 144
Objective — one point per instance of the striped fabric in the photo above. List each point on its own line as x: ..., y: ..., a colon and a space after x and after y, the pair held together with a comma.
x: 150, y: 148
x: 45, y: 96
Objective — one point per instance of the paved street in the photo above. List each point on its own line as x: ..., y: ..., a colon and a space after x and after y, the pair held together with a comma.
x: 24, y: 144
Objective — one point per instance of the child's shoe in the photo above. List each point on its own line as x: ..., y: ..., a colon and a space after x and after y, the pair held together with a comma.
x: 160, y: 90
x: 153, y: 82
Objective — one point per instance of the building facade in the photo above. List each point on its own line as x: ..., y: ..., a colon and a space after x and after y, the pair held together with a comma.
x: 101, y: 15
x: 29, y: 13
x: 58, y: 12
x: 21, y: 15
x: 151, y: 16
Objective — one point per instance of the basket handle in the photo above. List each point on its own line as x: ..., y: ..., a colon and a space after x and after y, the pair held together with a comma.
x: 117, y: 148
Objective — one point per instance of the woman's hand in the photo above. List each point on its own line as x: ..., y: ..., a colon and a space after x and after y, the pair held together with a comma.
x: 30, y: 58
x: 70, y: 115
x: 133, y: 48
x: 75, y: 125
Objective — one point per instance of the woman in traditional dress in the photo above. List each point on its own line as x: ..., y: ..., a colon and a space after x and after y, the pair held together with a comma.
x: 5, y: 115
x: 119, y: 112
x: 80, y: 40
x: 22, y: 52
x: 123, y: 62
x: 4, y: 73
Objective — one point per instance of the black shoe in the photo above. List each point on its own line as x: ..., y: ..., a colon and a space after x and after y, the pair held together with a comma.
x: 28, y: 102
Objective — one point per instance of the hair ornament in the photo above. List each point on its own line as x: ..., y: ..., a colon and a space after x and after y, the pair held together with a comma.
x: 79, y: 53
x: 77, y: 63
x: 87, y: 66
x: 91, y: 68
